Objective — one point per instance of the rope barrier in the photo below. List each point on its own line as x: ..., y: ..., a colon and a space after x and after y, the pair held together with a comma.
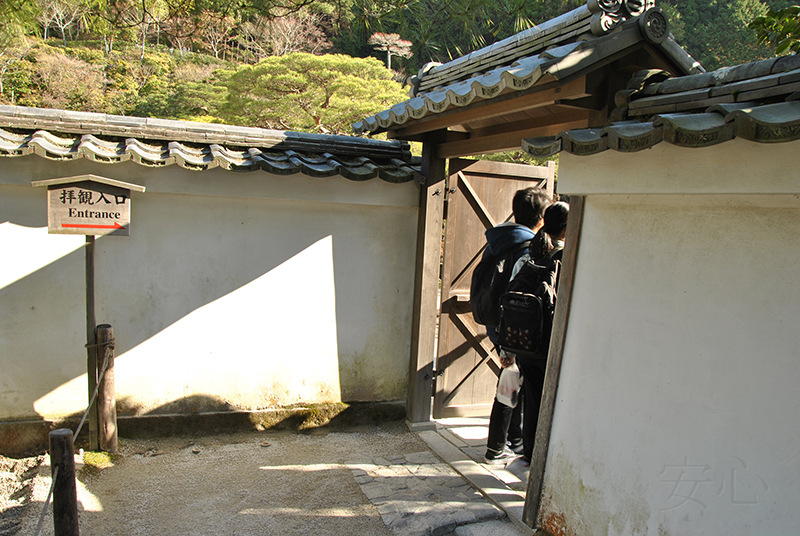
x: 47, y: 501
x: 109, y: 347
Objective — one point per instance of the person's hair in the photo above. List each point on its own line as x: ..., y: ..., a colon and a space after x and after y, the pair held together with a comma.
x: 555, y: 218
x: 541, y: 245
x: 529, y: 205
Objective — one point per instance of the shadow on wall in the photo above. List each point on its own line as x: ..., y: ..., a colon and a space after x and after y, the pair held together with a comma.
x: 45, y: 319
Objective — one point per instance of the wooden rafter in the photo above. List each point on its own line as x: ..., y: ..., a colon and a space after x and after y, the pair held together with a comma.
x: 509, y: 141
x: 541, y: 95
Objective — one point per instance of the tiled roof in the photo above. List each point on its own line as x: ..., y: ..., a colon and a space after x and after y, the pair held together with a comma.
x: 552, y: 51
x: 758, y: 101
x: 110, y: 139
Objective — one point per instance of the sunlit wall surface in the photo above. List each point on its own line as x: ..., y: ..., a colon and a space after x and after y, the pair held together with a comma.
x: 233, y: 291
x: 677, y: 400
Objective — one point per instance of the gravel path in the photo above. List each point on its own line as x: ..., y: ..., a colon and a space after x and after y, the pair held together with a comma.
x: 376, y: 481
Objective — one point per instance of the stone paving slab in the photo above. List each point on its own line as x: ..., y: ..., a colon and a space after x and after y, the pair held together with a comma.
x: 419, y: 495
x: 481, y: 476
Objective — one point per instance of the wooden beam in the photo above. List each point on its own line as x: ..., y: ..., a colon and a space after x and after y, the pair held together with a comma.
x: 509, y: 103
x: 500, y: 170
x: 554, y: 116
x: 544, y: 426
x: 509, y: 141
x: 592, y: 102
x: 426, y: 283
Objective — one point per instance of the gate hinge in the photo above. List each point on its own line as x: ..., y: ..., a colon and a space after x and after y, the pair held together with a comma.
x: 436, y: 374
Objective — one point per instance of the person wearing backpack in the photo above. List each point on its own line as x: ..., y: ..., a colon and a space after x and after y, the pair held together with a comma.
x: 505, y: 244
x: 535, y: 274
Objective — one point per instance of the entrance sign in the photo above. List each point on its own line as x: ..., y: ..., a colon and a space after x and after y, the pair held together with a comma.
x: 88, y: 205
x: 91, y: 205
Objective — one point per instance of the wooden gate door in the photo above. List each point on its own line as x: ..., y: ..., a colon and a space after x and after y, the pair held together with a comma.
x: 479, y: 197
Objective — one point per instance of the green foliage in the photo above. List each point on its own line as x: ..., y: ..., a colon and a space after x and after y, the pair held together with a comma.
x: 442, y: 30
x: 781, y: 29
x: 716, y: 33
x: 19, y: 85
x: 299, y: 91
x: 17, y: 16
x: 728, y: 40
x: 85, y: 53
x: 134, y: 56
x: 189, y: 93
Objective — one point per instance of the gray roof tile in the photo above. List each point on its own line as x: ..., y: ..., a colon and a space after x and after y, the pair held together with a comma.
x: 558, y: 48
x: 67, y: 135
x: 765, y: 123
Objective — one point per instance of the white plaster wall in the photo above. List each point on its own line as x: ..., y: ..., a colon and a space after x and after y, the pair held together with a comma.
x: 233, y: 290
x: 677, y: 402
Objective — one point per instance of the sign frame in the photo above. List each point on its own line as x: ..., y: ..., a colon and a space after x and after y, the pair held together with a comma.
x: 88, y: 205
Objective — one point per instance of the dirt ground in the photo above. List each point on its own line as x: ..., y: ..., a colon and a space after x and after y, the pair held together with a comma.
x: 248, y: 483
x: 16, y: 486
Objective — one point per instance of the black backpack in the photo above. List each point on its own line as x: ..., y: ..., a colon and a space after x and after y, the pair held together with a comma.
x: 489, y: 281
x: 527, y: 307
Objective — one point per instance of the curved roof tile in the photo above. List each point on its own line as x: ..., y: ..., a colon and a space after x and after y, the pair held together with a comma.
x: 757, y: 101
x: 64, y: 135
x: 767, y: 123
x: 558, y: 48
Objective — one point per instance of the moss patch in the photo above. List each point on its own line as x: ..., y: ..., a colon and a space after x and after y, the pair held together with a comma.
x: 298, y: 418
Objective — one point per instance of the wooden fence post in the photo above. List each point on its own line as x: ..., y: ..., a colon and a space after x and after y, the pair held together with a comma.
x: 106, y: 396
x: 91, y: 339
x: 65, y: 491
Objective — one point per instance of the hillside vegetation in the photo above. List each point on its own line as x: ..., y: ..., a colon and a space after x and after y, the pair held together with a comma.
x: 308, y: 65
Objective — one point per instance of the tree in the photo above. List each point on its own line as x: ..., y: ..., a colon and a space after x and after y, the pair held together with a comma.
x: 9, y: 55
x: 302, y: 92
x: 60, y: 13
x: 67, y: 83
x: 295, y: 32
x: 726, y: 39
x: 781, y: 29
x: 442, y: 30
x: 217, y: 33
x: 392, y: 45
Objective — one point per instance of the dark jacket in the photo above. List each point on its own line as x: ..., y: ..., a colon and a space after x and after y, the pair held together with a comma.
x: 505, y: 236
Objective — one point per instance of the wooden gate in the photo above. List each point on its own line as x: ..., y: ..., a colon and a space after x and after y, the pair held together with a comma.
x: 479, y: 197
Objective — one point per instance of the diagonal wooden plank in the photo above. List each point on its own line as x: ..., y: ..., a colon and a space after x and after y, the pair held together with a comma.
x: 471, y: 264
x: 475, y: 202
x: 468, y: 328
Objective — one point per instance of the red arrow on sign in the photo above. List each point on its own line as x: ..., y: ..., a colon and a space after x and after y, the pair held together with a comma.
x: 88, y: 226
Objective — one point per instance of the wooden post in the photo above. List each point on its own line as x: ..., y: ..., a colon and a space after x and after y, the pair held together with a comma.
x: 65, y: 491
x: 544, y: 425
x: 426, y: 284
x: 106, y: 396
x: 91, y: 349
